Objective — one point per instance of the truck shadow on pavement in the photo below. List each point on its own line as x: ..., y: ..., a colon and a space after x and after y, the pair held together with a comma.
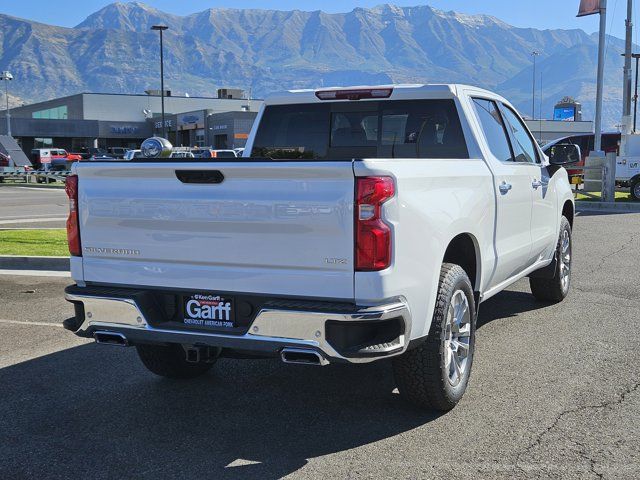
x: 506, y: 304
x: 94, y: 412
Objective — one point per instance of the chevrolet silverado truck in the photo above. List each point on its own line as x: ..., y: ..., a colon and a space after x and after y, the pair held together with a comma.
x: 362, y: 224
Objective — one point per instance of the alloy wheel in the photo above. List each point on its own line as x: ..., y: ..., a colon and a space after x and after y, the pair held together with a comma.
x: 565, y: 260
x: 457, y: 338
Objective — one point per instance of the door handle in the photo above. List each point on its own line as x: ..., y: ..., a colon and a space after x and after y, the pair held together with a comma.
x: 504, y: 188
x: 536, y: 184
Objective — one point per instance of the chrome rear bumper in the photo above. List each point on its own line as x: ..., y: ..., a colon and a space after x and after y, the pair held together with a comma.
x: 271, y: 331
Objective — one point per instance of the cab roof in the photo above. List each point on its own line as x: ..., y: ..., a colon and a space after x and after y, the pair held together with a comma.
x: 399, y: 92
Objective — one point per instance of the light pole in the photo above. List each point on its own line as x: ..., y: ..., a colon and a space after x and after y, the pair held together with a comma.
x: 636, y: 56
x: 626, y: 90
x: 162, y: 28
x: 534, y: 54
x: 7, y: 77
x: 634, y: 98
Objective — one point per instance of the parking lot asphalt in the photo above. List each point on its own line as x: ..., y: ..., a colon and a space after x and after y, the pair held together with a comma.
x: 554, y: 393
x: 32, y: 207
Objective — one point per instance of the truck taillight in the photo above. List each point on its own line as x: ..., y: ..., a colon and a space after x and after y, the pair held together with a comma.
x: 73, y: 221
x: 372, y: 234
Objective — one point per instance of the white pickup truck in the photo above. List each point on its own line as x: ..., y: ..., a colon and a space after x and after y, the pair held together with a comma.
x: 361, y: 224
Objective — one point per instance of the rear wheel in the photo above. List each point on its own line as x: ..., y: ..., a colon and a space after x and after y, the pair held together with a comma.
x: 635, y: 189
x: 435, y: 374
x: 171, y: 361
x: 557, y: 288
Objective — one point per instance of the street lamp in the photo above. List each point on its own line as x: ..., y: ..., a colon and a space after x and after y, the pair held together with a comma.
x: 161, y: 28
x: 535, y: 53
x: 7, y: 77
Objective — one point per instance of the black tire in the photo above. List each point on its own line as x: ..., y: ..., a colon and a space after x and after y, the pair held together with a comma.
x: 555, y: 289
x: 635, y: 189
x: 422, y: 374
x: 170, y: 361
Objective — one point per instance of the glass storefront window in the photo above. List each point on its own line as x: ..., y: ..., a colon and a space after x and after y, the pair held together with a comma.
x: 40, y: 142
x: 200, y: 137
x: 57, y: 113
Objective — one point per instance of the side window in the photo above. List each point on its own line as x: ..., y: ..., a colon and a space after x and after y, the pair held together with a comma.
x: 524, y: 148
x: 494, y: 129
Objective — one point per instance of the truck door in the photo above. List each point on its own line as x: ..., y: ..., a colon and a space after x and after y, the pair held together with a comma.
x: 544, y: 217
x: 512, y: 184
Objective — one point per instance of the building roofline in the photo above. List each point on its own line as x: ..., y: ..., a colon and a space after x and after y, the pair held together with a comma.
x: 170, y: 96
x: 130, y: 95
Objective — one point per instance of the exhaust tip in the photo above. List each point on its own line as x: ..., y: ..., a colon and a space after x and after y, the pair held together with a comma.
x: 301, y: 356
x: 111, y: 338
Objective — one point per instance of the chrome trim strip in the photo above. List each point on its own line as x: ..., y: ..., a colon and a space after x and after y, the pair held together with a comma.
x: 295, y: 328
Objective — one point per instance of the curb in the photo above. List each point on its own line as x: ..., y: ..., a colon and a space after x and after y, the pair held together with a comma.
x: 613, y: 207
x: 15, y: 262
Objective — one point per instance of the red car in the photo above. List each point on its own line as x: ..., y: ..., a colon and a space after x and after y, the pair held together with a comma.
x: 610, y: 143
x: 61, y: 153
x: 60, y: 158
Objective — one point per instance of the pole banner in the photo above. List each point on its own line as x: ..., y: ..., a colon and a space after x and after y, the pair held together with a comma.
x: 588, y: 7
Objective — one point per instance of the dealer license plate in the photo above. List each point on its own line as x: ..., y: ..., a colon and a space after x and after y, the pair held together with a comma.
x: 208, y: 310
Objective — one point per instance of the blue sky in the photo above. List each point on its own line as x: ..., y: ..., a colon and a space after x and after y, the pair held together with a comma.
x: 522, y: 13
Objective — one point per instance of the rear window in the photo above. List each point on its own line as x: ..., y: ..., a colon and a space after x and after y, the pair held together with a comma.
x: 384, y: 129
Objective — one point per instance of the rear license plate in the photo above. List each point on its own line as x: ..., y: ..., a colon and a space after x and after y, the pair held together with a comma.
x: 208, y: 310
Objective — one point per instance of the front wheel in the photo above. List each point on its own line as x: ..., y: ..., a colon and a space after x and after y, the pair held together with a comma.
x: 435, y: 374
x: 557, y: 288
x: 635, y: 189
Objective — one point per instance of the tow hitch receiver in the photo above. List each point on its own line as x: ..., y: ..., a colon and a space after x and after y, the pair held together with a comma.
x: 197, y: 354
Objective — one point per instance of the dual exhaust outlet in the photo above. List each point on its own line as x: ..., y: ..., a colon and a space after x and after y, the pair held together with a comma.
x: 302, y: 356
x: 298, y: 356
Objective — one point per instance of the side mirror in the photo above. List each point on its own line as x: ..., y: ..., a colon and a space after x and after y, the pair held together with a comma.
x: 564, y: 154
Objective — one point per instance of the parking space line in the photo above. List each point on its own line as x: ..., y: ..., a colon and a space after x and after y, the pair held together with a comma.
x: 35, y: 273
x: 33, y: 220
x: 43, y: 189
x: 37, y: 324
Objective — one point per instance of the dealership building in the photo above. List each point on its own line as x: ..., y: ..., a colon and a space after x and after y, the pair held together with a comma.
x: 120, y: 120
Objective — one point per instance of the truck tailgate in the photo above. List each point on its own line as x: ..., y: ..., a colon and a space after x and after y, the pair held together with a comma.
x: 267, y: 227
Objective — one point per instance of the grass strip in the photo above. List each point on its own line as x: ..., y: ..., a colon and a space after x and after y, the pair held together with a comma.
x: 48, y: 243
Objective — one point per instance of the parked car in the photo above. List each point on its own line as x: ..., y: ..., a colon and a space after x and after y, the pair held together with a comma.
x: 181, y: 154
x: 117, y: 152
x: 369, y: 224
x: 131, y: 154
x: 56, y: 159
x: 610, y: 143
x: 88, y: 152
x: 5, y: 160
x: 209, y: 153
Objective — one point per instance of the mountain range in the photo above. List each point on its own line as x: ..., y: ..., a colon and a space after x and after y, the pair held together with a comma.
x: 114, y: 50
